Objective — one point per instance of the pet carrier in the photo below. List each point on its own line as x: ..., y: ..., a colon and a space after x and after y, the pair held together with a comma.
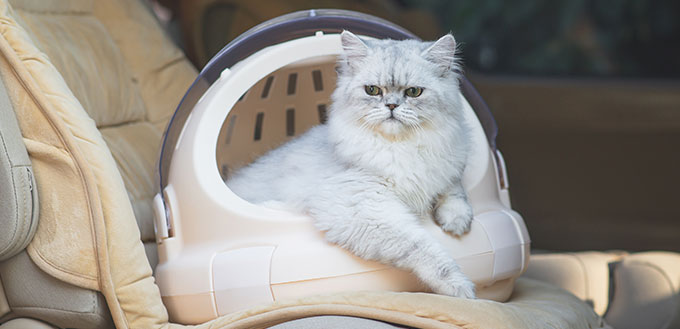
x: 219, y: 253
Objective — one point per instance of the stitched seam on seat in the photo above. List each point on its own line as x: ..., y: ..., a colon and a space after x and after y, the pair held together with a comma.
x: 120, y: 124
x: 49, y: 308
x: 28, y: 208
x: 16, y: 202
x: 170, y: 63
x: 22, y: 221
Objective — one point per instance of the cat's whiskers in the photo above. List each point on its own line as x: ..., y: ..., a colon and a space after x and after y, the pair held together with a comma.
x: 365, y: 125
x: 411, y: 121
x: 408, y: 118
x: 368, y: 121
x: 374, y: 117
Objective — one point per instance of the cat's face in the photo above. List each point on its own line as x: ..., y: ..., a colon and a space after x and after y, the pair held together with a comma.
x: 395, y: 88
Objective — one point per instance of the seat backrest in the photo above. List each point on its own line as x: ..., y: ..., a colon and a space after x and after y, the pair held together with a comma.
x: 124, y: 72
x: 93, y: 84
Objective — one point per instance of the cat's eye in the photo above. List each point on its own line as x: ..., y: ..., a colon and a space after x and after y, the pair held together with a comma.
x: 372, y: 90
x: 413, y: 91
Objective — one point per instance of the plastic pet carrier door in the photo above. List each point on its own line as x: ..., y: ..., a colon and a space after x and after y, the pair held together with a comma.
x: 219, y: 253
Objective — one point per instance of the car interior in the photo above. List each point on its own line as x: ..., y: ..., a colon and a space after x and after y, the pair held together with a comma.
x: 588, y: 128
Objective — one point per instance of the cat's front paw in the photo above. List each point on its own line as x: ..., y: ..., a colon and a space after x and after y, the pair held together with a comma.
x: 455, y: 216
x: 452, y: 282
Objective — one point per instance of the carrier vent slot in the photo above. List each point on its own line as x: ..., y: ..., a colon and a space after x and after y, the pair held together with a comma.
x: 292, y: 83
x: 322, y: 113
x: 230, y: 129
x: 267, y: 87
x: 258, y: 126
x: 290, y: 122
x: 318, y: 82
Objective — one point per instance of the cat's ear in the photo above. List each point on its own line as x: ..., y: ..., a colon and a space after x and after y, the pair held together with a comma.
x: 442, y: 53
x: 355, y: 49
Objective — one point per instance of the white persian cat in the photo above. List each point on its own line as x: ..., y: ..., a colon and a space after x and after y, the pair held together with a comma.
x: 391, y: 154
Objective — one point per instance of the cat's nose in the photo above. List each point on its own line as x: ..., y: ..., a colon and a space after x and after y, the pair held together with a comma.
x: 391, y: 106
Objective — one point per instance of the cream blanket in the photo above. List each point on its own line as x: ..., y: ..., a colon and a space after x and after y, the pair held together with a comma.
x: 533, y: 304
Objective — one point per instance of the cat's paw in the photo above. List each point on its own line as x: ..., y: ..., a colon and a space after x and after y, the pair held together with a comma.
x: 452, y: 282
x: 455, y: 216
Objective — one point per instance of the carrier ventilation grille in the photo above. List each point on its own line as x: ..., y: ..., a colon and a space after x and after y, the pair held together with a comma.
x: 280, y: 106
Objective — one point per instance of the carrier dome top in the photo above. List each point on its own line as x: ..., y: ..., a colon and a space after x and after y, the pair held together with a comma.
x: 289, y: 27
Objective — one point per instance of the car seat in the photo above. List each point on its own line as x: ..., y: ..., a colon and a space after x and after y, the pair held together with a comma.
x: 92, y: 84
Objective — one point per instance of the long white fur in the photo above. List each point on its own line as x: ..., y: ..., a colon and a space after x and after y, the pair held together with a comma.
x: 369, y: 180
